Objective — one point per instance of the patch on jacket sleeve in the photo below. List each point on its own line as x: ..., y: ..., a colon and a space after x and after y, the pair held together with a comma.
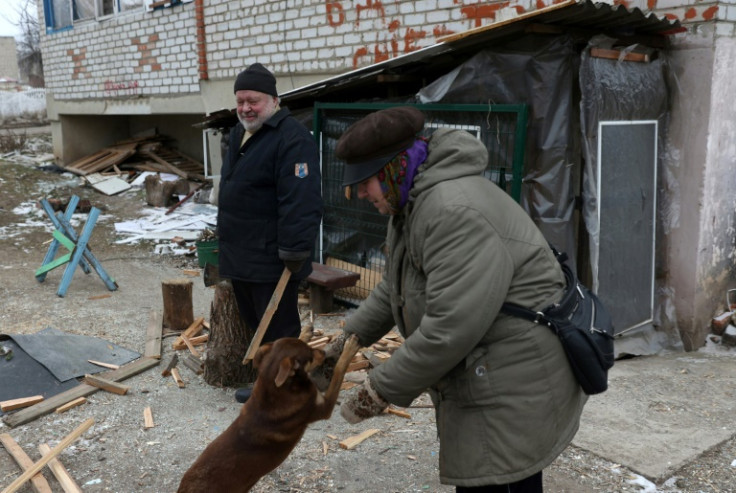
x: 301, y: 170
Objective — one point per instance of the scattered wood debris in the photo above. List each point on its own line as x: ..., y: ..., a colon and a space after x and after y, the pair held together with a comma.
x: 31, y: 471
x: 147, y: 153
x: 57, y: 468
x: 105, y: 384
x: 147, y: 418
x: 353, y: 441
x: 19, y: 403
x: 76, y: 402
x: 177, y: 378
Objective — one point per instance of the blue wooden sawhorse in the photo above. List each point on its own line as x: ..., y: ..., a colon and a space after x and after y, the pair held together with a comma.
x: 79, y: 253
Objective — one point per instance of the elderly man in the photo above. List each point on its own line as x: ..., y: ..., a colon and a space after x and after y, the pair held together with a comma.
x: 269, y: 205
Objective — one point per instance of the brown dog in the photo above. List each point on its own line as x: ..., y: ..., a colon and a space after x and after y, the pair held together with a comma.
x: 284, y: 401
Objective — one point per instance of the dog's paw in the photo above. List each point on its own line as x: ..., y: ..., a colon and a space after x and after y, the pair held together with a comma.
x: 352, y: 345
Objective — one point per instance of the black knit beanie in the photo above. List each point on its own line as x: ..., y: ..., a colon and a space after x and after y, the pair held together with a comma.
x: 256, y: 78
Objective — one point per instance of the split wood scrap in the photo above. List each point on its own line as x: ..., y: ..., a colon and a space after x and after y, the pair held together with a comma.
x: 147, y: 153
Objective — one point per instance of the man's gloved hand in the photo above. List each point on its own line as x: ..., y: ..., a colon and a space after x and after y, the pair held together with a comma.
x: 362, y: 402
x: 294, y: 266
x: 322, y: 375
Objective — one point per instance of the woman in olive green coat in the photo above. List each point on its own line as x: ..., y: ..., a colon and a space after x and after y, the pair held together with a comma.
x: 458, y: 248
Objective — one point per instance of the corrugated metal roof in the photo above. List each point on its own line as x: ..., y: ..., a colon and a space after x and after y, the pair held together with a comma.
x: 581, y: 16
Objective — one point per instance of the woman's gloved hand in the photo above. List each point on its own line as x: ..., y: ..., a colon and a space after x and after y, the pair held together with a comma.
x: 322, y: 375
x: 362, y: 402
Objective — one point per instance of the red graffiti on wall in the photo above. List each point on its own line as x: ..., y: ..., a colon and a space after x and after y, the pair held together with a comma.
x: 337, y: 7
x: 441, y: 31
x: 478, y: 12
x: 116, y: 88
x: 370, y: 5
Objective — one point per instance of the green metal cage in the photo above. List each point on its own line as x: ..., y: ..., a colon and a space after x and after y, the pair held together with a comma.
x: 353, y: 232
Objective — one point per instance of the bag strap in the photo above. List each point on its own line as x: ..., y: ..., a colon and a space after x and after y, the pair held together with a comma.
x: 540, y: 317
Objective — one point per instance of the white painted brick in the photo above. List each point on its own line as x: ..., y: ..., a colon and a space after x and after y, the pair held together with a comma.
x: 435, y: 17
x: 725, y: 29
x: 415, y: 20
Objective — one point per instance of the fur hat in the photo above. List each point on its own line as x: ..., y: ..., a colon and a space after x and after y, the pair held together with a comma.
x: 256, y: 78
x: 371, y: 142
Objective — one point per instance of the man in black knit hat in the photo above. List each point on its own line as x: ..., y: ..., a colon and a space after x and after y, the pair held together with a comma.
x: 269, y: 205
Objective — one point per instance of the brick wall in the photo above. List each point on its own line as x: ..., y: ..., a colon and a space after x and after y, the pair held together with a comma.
x: 157, y: 53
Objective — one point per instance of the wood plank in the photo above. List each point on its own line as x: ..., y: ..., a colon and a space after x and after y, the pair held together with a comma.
x: 19, y: 403
x: 397, y: 412
x: 38, y: 481
x: 619, y: 55
x: 76, y: 402
x: 62, y: 475
x: 153, y: 335
x: 147, y: 418
x: 21, y: 480
x: 104, y: 384
x: 49, y: 405
x: 353, y: 441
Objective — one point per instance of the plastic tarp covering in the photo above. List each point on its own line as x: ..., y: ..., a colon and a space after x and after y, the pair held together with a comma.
x: 538, y: 71
x: 615, y: 90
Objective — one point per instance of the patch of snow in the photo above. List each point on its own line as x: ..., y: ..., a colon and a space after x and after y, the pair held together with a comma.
x: 645, y: 485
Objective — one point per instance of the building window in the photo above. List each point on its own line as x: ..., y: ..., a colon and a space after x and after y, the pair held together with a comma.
x: 63, y: 14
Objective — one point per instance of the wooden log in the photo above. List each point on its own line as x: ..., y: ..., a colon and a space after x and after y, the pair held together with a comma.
x: 104, y: 384
x: 76, y: 402
x: 19, y: 403
x: 353, y: 441
x: 62, y: 475
x: 38, y: 481
x: 21, y: 480
x: 229, y: 341
x: 178, y: 306
x: 160, y: 193
x: 190, y: 346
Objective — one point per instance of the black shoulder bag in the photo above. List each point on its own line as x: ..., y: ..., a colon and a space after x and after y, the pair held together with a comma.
x: 584, y: 327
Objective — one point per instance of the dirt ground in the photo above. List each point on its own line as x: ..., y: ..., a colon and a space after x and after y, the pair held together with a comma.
x: 118, y: 455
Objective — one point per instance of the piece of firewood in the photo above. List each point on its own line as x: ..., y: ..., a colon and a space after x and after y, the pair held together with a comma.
x: 62, y: 475
x: 359, y: 365
x: 190, y: 346
x: 76, y: 402
x: 21, y: 480
x: 199, y: 340
x: 172, y: 364
x: 319, y: 340
x: 105, y: 384
x: 21, y: 402
x: 38, y: 481
x: 147, y: 418
x: 193, y: 330
x: 104, y: 365
x: 718, y: 324
x: 177, y: 378
x: 193, y: 363
x: 353, y: 441
x: 403, y: 414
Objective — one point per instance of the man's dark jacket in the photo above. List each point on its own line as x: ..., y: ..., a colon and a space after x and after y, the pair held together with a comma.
x: 270, y: 202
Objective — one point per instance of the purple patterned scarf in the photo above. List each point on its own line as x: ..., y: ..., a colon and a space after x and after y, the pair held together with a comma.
x: 397, y: 177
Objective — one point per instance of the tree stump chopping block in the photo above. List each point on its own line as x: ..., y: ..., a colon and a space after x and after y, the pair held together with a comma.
x: 228, y: 342
x: 323, y: 281
x: 178, y: 306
